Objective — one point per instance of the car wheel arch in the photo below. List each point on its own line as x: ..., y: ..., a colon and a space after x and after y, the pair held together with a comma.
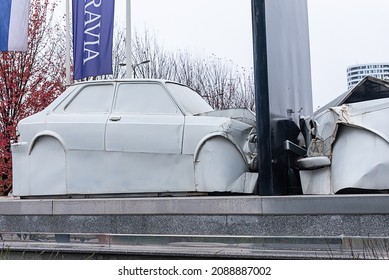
x: 218, y: 163
x: 42, y: 134
x: 212, y: 136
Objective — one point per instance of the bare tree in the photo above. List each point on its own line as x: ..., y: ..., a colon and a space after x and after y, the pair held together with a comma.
x: 222, y: 83
x: 119, y: 54
x: 146, y: 48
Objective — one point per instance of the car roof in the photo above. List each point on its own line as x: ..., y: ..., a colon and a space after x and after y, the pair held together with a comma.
x: 124, y: 80
x: 369, y: 88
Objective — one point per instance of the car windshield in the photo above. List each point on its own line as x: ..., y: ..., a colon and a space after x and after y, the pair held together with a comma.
x: 190, y: 101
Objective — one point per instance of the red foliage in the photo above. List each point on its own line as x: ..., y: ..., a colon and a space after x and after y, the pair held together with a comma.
x: 29, y: 81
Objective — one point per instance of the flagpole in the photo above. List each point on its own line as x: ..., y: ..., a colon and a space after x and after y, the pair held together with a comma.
x: 67, y: 62
x: 128, y: 44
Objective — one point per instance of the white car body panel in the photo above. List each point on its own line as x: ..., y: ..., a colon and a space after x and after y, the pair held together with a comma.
x: 149, y: 134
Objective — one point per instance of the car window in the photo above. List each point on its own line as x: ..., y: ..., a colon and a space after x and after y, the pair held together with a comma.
x: 92, y: 99
x: 191, y: 102
x: 144, y: 99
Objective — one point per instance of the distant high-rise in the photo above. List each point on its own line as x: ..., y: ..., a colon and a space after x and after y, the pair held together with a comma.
x: 356, y: 73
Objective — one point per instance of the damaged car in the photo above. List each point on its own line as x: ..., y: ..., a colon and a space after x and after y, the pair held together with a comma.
x: 134, y: 137
x: 348, y: 142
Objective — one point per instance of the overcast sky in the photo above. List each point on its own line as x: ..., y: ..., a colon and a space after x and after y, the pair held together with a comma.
x: 342, y: 33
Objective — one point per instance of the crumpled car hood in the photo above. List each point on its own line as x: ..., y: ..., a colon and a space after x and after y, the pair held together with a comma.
x: 353, y: 137
x: 243, y: 115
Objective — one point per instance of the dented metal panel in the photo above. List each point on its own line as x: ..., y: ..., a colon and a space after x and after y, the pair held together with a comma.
x: 243, y: 115
x: 355, y: 139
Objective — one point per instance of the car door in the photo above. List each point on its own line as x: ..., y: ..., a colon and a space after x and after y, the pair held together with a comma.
x: 80, y: 123
x: 144, y: 139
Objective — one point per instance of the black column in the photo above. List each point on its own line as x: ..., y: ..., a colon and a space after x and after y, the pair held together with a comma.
x: 265, y: 180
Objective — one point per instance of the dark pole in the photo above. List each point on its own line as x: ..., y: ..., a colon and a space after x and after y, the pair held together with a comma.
x: 264, y: 147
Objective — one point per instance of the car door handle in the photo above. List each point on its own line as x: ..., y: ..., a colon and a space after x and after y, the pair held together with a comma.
x: 115, y: 118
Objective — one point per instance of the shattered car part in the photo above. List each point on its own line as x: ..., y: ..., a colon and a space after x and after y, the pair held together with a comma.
x: 348, y: 143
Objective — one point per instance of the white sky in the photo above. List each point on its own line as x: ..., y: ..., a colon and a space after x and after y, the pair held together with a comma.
x: 342, y: 33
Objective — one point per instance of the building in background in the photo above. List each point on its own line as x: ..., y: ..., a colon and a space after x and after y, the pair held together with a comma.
x: 356, y: 73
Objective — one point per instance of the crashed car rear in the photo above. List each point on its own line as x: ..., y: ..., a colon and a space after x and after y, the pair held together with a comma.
x: 348, y: 142
x: 131, y: 137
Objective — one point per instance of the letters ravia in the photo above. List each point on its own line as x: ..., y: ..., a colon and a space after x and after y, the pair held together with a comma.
x: 92, y: 27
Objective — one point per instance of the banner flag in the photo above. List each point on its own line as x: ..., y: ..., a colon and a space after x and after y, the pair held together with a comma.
x: 14, y: 25
x: 92, y: 37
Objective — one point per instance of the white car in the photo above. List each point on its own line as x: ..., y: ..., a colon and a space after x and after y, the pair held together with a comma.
x: 348, y: 142
x: 133, y: 137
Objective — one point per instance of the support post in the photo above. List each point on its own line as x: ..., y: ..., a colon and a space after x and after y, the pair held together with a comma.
x: 129, y: 74
x: 67, y: 62
x: 264, y: 148
x: 282, y: 76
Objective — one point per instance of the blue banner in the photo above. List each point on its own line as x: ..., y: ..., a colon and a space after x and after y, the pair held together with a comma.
x: 14, y: 25
x: 92, y: 37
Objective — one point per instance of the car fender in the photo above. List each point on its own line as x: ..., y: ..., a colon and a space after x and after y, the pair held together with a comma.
x: 219, y: 163
x: 214, y: 135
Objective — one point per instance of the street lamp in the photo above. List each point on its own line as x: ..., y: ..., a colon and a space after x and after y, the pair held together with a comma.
x: 136, y: 65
